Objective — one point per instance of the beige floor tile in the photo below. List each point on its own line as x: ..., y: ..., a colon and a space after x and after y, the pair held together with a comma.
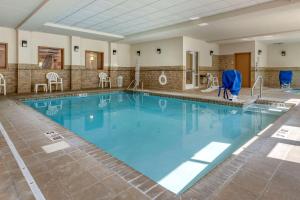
x: 97, y: 191
x: 131, y: 194
x: 115, y: 184
x: 77, y: 182
x: 235, y: 192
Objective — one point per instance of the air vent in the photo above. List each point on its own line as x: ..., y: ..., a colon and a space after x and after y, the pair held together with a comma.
x: 53, y: 136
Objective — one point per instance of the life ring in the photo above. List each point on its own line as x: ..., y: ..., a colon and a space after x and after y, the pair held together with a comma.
x: 162, y: 104
x: 163, y: 79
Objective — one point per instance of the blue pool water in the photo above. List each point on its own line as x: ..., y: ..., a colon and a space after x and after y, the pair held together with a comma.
x: 174, y: 142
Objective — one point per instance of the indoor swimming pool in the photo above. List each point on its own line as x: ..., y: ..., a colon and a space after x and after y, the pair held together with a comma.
x: 172, y: 141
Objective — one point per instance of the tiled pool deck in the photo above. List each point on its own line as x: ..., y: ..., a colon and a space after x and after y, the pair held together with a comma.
x: 268, y: 168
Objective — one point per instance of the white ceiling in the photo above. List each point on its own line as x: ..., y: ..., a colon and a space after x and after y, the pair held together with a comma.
x: 13, y: 12
x: 276, y: 20
x: 144, y: 20
x: 126, y: 17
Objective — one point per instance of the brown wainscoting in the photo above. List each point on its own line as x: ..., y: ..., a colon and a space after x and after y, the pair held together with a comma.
x: 30, y: 74
x: 82, y: 78
x: 90, y: 79
x: 203, y: 70
x: 271, y: 75
x: 226, y: 61
x: 127, y: 73
x: 10, y: 75
x: 150, y: 75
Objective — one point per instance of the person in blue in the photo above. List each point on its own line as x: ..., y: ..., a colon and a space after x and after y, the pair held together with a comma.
x: 231, y: 81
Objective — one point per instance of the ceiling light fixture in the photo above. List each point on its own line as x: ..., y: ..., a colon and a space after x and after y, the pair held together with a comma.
x: 246, y: 39
x: 268, y: 36
x: 73, y: 28
x: 203, y: 24
x: 194, y: 18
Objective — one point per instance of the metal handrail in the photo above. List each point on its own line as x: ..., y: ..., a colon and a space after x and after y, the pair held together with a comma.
x: 131, y: 84
x: 261, y: 80
x: 135, y: 87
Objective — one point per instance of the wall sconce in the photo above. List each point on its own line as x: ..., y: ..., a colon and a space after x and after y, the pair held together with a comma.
x: 211, y: 52
x: 76, y: 48
x: 259, y: 52
x: 24, y: 43
x: 114, y: 52
x: 138, y: 53
x: 92, y: 58
x: 158, y: 50
x: 283, y: 53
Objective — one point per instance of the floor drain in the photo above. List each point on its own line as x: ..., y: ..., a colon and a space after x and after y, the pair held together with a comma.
x: 53, y: 136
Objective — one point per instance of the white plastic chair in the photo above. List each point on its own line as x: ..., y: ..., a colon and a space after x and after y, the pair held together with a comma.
x: 103, y: 79
x: 53, y: 79
x: 2, y: 84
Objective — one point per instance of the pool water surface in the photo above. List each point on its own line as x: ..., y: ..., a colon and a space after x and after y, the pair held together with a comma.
x: 172, y: 141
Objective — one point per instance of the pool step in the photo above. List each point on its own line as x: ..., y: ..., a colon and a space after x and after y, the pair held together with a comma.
x: 266, y: 109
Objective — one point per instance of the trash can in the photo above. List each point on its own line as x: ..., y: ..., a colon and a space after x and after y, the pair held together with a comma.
x: 120, y: 81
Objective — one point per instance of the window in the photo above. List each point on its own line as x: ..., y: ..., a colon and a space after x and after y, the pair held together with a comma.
x: 50, y: 58
x: 94, y: 60
x: 3, y: 55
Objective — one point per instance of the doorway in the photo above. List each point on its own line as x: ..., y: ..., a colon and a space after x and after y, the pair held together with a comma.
x: 243, y: 64
x: 192, y: 75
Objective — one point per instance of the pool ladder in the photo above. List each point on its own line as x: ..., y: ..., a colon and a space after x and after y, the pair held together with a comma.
x: 259, y: 80
x: 136, y: 84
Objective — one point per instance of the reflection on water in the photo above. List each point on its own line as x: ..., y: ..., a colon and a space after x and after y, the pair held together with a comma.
x: 168, y: 140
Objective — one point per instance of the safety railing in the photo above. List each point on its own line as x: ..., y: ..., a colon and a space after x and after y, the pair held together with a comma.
x: 136, y: 84
x: 259, y: 80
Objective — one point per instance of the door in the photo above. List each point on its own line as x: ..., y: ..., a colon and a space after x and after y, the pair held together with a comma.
x: 192, y: 79
x: 243, y: 64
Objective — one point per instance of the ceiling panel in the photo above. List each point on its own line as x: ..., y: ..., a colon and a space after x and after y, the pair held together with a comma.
x: 12, y: 12
x: 131, y: 16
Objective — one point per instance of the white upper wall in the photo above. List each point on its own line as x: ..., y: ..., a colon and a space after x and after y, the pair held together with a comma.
x: 75, y: 55
x: 292, y: 58
x: 94, y: 45
x: 122, y: 56
x: 9, y: 36
x: 204, y: 48
x: 171, y: 53
x: 29, y: 54
x: 262, y: 59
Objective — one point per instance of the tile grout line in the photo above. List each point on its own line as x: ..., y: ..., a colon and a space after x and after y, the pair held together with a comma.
x: 26, y: 173
x: 260, y: 196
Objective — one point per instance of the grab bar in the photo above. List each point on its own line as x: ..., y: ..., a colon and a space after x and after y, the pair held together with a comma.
x: 135, y: 87
x: 131, y: 84
x: 260, y: 80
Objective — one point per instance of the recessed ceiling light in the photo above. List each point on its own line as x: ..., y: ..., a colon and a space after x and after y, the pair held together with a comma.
x: 246, y: 39
x: 203, y: 24
x: 268, y: 36
x: 77, y: 29
x: 194, y: 18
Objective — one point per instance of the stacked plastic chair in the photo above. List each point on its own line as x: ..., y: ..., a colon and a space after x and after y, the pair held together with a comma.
x: 232, y: 81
